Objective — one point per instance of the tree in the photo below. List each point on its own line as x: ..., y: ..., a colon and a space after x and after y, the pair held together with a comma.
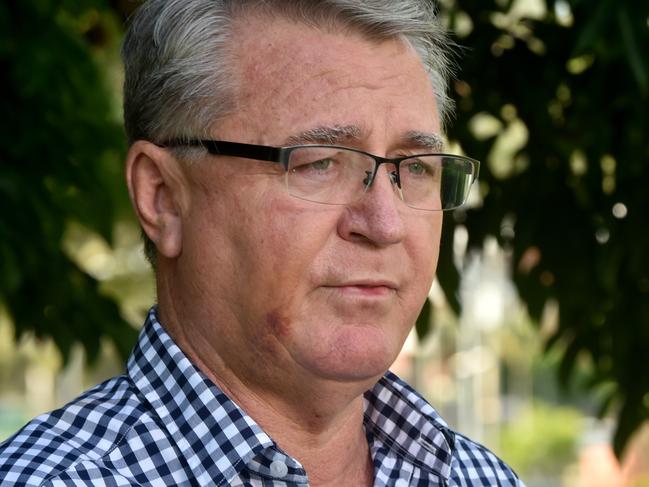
x: 569, y: 83
x: 61, y: 160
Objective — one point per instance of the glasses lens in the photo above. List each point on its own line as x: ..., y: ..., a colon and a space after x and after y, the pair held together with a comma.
x: 337, y: 175
x: 331, y: 175
x: 436, y: 182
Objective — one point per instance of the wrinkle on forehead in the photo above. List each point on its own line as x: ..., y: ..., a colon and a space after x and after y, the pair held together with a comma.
x: 300, y: 85
x: 329, y: 82
x: 262, y: 48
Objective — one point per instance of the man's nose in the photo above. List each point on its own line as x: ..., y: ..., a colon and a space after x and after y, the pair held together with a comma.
x: 376, y: 215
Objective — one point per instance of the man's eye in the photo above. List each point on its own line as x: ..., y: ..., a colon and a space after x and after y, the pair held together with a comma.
x: 326, y: 167
x: 417, y: 168
x: 321, y: 165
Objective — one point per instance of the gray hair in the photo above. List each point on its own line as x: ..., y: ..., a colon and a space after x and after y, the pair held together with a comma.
x: 177, y: 58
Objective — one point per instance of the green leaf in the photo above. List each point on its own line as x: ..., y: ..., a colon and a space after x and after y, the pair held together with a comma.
x: 636, y: 60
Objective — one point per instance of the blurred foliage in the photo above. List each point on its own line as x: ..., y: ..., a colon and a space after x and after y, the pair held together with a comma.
x: 553, y: 99
x: 61, y: 151
x: 541, y: 439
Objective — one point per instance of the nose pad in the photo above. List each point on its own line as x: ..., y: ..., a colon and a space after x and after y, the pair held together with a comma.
x: 393, y: 176
x: 370, y: 176
x: 367, y: 182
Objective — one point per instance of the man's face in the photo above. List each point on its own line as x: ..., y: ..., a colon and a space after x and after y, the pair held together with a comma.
x: 287, y: 288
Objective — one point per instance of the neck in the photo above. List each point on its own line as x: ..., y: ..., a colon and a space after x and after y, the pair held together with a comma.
x: 332, y: 447
x: 319, y: 422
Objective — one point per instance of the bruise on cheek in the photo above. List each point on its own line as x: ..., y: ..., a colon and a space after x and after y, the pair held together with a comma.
x: 278, y: 325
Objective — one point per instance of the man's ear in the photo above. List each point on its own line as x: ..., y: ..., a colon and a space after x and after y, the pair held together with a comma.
x: 159, y: 193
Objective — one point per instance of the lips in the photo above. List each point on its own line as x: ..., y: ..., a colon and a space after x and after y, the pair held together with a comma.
x: 365, y: 287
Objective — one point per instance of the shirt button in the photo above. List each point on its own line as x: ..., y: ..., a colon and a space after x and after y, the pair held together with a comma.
x: 278, y: 469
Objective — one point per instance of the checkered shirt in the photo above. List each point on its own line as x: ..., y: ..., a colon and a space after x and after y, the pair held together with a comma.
x: 164, y: 423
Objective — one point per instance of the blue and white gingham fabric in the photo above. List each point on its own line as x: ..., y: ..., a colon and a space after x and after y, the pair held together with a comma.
x: 165, y: 424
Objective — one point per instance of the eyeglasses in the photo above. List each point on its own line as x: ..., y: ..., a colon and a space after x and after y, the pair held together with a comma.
x: 339, y: 175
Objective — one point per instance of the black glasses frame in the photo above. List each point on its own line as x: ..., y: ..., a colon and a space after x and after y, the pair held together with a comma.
x: 281, y: 154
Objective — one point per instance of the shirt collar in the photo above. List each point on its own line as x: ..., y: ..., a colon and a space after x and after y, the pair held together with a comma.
x: 403, y: 421
x: 217, y: 439
x: 214, y: 436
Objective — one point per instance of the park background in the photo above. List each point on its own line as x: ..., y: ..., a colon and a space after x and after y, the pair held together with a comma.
x: 536, y: 334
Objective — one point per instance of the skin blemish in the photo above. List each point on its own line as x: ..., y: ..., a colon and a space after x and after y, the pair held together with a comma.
x: 278, y: 325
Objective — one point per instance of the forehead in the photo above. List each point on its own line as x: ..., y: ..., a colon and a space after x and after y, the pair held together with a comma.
x: 296, y: 77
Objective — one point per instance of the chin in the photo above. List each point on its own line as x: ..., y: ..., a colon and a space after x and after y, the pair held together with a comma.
x: 357, y: 355
x: 359, y: 374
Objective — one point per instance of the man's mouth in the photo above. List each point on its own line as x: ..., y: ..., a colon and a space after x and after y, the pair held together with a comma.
x: 366, y: 288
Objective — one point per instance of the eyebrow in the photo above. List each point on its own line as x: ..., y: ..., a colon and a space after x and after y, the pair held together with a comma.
x: 329, y: 135
x: 340, y: 134
x: 424, y: 140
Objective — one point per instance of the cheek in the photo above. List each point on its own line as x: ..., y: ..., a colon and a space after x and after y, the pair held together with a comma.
x: 276, y: 242
x: 424, y: 233
x: 423, y: 251
x: 294, y: 234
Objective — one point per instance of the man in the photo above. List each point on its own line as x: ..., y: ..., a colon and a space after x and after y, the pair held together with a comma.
x: 290, y: 262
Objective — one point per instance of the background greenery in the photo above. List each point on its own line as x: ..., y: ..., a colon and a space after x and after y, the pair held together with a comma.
x: 552, y: 98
